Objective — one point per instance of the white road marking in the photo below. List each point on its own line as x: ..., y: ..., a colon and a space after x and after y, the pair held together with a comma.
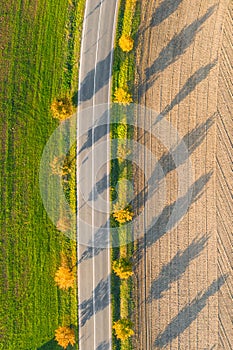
x: 92, y: 185
x: 77, y: 150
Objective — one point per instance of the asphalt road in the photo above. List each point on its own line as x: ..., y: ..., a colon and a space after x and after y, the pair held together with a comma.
x: 92, y: 173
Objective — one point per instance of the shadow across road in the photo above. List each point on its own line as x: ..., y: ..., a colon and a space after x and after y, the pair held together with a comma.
x: 97, y: 78
x: 163, y: 11
x: 96, y: 133
x: 101, y: 297
x: 103, y: 346
x: 162, y: 224
x: 187, y: 88
x: 191, y: 140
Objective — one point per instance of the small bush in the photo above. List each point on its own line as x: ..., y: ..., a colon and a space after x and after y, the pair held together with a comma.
x: 122, y: 215
x: 122, y: 96
x: 123, y: 268
x: 62, y: 108
x: 65, y: 336
x: 126, y: 43
x: 123, y: 329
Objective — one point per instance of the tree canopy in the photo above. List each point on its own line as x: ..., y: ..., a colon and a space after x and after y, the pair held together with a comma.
x: 126, y: 43
x: 64, y: 278
x: 65, y: 336
x: 62, y: 108
x: 122, y: 96
x: 123, y: 328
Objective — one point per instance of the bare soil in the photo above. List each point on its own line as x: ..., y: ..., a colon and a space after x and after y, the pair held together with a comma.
x: 183, y: 273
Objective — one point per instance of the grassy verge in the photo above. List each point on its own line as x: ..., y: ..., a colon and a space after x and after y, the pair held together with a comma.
x: 39, y: 61
x: 123, y: 77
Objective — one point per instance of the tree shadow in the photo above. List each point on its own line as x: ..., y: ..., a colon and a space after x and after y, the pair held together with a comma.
x: 103, y: 346
x: 96, y: 133
x: 176, y: 268
x: 192, y: 140
x: 101, y: 297
x: 188, y: 87
x: 188, y: 314
x: 164, y: 222
x: 99, y: 188
x: 96, y: 78
x: 175, y: 48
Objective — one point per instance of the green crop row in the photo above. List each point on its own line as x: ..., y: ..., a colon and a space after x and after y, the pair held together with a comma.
x: 123, y: 77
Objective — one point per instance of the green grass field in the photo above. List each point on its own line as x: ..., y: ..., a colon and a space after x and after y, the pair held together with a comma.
x: 40, y: 42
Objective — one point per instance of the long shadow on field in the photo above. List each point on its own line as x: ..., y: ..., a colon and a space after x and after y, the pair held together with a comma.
x: 174, y: 49
x: 163, y: 223
x: 188, y: 314
x: 176, y: 268
x: 191, y: 141
x: 163, y: 11
x: 188, y: 87
x: 94, y: 248
x: 95, y: 79
x: 101, y: 297
x: 159, y: 226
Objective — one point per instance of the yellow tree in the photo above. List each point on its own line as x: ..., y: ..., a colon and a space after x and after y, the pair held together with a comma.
x: 65, y: 336
x: 126, y: 43
x: 123, y: 329
x: 62, y: 108
x: 64, y: 278
x: 63, y: 224
x: 123, y: 268
x: 122, y: 215
x: 122, y: 96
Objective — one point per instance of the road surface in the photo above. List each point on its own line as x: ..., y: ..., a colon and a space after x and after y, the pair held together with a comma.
x: 92, y: 173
